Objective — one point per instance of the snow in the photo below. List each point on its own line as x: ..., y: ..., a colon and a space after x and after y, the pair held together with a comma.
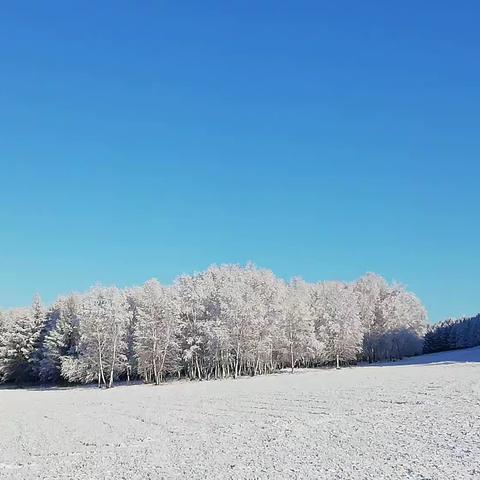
x: 414, y: 419
x: 453, y: 356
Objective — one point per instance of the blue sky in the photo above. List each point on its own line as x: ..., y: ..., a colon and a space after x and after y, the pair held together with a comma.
x: 320, y: 139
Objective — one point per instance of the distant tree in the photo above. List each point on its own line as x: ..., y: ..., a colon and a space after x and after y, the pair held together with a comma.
x: 451, y: 334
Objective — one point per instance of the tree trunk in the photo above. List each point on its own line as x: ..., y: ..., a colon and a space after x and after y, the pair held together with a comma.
x: 291, y: 357
x: 237, y: 361
x: 100, y: 362
x: 198, y: 368
x: 113, y: 361
x: 164, y: 357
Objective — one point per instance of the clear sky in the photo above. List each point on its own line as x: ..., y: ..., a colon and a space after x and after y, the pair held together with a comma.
x: 320, y: 139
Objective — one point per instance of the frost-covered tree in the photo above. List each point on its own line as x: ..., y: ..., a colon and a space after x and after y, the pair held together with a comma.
x: 3, y: 326
x: 406, y: 323
x: 337, y: 322
x: 156, y: 332
x: 3, y: 342
x: 371, y: 290
x: 298, y: 325
x: 21, y: 341
x: 40, y: 319
x: 192, y: 297
x: 254, y: 302
x: 452, y: 334
x: 249, y: 303
x: 101, y: 356
x: 132, y: 296
x: 228, y: 320
x: 393, y: 319
x: 62, y: 340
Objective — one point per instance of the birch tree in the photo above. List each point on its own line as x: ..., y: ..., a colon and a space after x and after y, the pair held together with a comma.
x: 192, y: 294
x: 371, y: 291
x: 298, y: 324
x: 103, y: 319
x: 337, y: 322
x: 406, y: 323
x: 156, y: 331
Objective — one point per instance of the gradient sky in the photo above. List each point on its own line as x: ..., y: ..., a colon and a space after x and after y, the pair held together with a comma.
x: 320, y: 139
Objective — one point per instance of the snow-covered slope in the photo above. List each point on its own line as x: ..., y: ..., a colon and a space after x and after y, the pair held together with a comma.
x: 466, y: 355
x: 420, y: 421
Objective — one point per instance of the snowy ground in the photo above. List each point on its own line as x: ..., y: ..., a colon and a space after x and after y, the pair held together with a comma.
x: 416, y: 419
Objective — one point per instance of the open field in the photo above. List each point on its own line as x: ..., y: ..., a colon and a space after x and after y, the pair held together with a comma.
x: 417, y: 419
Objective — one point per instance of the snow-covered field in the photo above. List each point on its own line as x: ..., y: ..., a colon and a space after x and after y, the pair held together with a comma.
x: 415, y: 419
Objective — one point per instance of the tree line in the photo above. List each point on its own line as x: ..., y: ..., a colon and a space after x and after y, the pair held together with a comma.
x: 453, y: 334
x: 227, y: 321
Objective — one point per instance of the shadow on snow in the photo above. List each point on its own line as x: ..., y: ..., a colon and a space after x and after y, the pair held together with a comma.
x: 467, y: 355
